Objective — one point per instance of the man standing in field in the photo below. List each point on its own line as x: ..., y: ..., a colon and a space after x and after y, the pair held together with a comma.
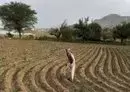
x: 70, y: 64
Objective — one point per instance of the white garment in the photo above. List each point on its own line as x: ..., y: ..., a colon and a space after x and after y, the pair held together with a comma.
x: 71, y: 64
x: 71, y: 69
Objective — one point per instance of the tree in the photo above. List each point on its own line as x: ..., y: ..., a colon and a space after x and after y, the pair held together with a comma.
x: 67, y: 34
x: 82, y: 29
x: 56, y: 32
x: 17, y: 16
x: 122, y: 31
x: 114, y: 34
x: 107, y: 34
x: 95, y: 31
x: 64, y: 31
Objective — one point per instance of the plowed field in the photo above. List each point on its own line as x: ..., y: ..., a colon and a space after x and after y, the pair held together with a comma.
x: 40, y: 66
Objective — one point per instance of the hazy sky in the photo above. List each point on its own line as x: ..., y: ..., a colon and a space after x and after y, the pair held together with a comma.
x: 53, y: 12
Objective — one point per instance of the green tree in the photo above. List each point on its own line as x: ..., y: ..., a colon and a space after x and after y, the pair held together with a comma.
x: 66, y: 32
x: 17, y: 16
x: 114, y: 34
x: 95, y: 31
x: 82, y: 29
x: 107, y: 34
x: 122, y: 31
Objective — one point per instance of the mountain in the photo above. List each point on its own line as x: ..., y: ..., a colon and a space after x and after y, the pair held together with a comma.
x: 112, y: 20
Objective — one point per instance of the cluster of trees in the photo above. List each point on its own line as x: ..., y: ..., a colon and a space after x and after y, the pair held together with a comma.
x: 91, y: 31
x: 81, y: 30
x: 122, y: 32
x: 19, y: 16
x: 87, y: 31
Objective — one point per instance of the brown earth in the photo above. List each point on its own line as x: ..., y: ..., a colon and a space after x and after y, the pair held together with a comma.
x: 40, y: 66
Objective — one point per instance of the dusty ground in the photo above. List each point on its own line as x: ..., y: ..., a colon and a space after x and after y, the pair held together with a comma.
x: 39, y: 66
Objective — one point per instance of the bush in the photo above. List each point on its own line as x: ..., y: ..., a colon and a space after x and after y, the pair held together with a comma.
x: 41, y: 38
x: 28, y: 37
x: 45, y: 38
x: 67, y: 34
x: 56, y: 32
x: 107, y: 35
x: 9, y: 35
x: 64, y: 32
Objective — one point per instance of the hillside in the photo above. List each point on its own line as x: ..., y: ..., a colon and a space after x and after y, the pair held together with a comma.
x: 112, y: 20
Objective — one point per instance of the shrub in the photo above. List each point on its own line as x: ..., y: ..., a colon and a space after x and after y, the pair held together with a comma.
x: 56, y: 32
x: 42, y: 38
x: 107, y: 34
x: 9, y: 35
x: 66, y: 34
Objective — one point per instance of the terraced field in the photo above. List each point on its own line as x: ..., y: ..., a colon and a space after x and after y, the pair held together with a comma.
x: 36, y: 66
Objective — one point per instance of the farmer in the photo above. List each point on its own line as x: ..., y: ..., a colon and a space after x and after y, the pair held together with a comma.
x: 70, y: 64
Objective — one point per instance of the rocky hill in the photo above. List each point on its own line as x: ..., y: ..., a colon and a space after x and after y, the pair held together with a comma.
x: 112, y: 20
